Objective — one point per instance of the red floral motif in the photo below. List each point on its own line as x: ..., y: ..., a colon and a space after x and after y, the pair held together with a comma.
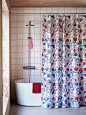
x: 84, y: 91
x: 75, y: 80
x: 52, y: 40
x: 84, y: 40
x: 80, y: 41
x: 44, y: 20
x: 41, y: 98
x: 83, y: 63
x: 76, y: 98
x: 59, y: 50
x: 60, y: 20
x: 42, y: 69
x: 83, y: 34
x: 66, y: 34
x: 45, y: 26
x: 52, y: 92
x: 52, y: 63
x: 65, y: 101
x: 74, y: 50
x: 45, y: 56
x: 42, y: 39
x: 76, y: 68
x: 80, y: 70
x: 67, y: 40
x: 67, y: 63
x: 60, y: 26
x: 45, y: 85
x: 81, y: 98
x: 82, y: 88
x: 52, y: 34
x: 81, y: 60
x: 75, y: 39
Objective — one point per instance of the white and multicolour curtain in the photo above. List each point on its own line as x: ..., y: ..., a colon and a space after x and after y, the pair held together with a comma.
x: 63, y: 61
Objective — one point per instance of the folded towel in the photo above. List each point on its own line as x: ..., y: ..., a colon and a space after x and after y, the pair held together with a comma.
x: 36, y: 88
x: 30, y: 43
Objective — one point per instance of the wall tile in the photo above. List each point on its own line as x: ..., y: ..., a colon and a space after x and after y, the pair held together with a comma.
x: 18, y: 55
x: 13, y: 18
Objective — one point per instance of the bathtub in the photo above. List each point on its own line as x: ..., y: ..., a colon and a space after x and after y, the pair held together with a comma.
x: 24, y: 93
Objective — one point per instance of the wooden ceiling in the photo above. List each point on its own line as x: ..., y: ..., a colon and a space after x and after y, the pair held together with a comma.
x: 48, y: 3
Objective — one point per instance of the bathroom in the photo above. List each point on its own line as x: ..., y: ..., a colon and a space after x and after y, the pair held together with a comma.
x: 20, y: 17
x: 26, y: 52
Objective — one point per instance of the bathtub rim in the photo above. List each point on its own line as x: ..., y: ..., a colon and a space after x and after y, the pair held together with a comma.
x: 17, y: 81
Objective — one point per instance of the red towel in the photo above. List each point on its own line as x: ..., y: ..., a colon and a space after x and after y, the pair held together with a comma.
x: 36, y: 87
x: 30, y: 43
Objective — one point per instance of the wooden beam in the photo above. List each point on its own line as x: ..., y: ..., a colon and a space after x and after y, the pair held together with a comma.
x: 1, y: 110
x: 9, y: 51
x: 9, y: 6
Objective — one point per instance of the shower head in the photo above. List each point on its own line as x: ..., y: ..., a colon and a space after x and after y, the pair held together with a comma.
x: 30, y: 24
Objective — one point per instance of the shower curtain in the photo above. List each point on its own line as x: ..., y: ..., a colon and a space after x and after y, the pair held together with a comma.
x: 63, y: 61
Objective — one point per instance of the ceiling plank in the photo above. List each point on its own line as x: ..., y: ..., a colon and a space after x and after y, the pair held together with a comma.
x: 48, y: 3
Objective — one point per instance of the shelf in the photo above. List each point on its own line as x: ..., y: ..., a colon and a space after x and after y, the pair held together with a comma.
x: 29, y: 38
x: 29, y: 67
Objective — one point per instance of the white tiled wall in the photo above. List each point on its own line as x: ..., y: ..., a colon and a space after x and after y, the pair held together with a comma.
x: 19, y: 41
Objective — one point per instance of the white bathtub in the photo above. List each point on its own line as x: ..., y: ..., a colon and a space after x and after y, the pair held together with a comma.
x: 24, y: 93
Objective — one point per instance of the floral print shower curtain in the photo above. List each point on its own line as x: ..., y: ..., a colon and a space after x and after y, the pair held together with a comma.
x: 63, y: 61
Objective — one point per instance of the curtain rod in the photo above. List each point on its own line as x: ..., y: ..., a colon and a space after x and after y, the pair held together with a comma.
x: 47, y: 13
